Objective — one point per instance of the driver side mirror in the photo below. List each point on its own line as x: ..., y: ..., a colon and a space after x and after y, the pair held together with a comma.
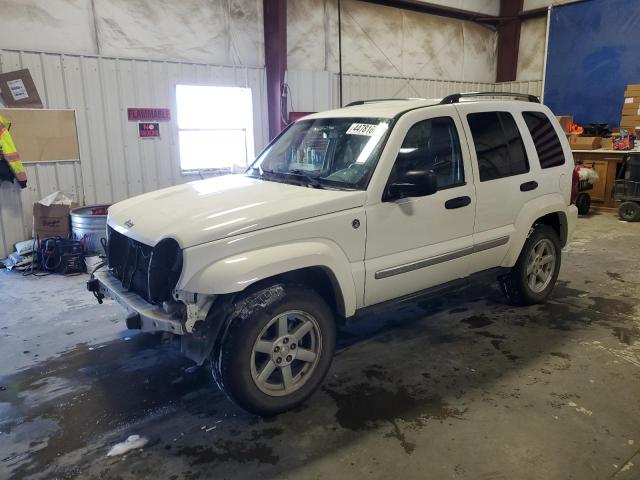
x: 415, y: 183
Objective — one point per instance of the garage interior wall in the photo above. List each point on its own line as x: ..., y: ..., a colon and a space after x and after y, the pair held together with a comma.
x: 100, y: 57
x: 114, y: 163
x: 387, y: 41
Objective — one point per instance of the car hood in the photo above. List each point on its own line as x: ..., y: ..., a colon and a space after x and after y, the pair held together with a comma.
x: 219, y: 207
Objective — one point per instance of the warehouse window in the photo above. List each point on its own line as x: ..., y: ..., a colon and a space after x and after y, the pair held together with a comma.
x: 499, y: 147
x: 545, y: 139
x: 215, y: 127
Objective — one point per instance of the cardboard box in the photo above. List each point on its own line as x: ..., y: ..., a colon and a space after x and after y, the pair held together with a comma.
x: 18, y: 90
x: 585, y: 143
x: 607, y: 143
x: 630, y: 119
x: 565, y: 122
x: 631, y: 108
x: 52, y: 221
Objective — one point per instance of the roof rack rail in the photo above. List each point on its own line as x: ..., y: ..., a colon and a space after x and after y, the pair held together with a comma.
x: 455, y: 98
x: 375, y: 100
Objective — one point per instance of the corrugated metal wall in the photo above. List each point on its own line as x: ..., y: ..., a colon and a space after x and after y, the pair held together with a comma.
x: 313, y: 91
x: 115, y: 164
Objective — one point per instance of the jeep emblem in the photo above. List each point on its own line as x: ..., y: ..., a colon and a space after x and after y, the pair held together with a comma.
x: 129, y: 223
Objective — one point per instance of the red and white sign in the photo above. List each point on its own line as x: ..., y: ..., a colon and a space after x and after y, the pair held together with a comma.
x: 149, y: 130
x: 149, y: 114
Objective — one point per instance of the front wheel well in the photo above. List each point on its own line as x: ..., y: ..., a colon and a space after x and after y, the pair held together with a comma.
x: 557, y: 221
x: 322, y: 281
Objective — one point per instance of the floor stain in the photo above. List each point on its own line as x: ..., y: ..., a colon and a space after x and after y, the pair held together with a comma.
x: 484, y: 333
x: 250, y: 450
x: 96, y: 401
x: 365, y: 406
x: 477, y: 321
x: 459, y: 310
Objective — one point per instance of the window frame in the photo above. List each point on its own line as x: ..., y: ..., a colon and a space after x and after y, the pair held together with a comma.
x: 499, y: 114
x: 246, y: 131
x: 533, y: 141
x: 460, y: 152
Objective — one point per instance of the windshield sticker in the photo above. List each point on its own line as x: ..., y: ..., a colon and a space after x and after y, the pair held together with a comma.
x: 361, y: 129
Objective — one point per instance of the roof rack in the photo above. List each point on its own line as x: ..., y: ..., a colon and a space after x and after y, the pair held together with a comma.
x: 455, y: 98
x: 374, y: 100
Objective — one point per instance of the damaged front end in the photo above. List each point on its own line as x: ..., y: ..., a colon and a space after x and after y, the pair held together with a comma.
x: 143, y: 280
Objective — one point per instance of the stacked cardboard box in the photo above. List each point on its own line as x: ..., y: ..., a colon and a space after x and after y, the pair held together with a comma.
x: 630, y: 118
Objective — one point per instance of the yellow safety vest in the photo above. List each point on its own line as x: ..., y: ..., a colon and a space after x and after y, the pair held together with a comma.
x: 10, y: 154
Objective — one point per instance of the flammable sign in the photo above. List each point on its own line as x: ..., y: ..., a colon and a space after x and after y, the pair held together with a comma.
x: 149, y: 129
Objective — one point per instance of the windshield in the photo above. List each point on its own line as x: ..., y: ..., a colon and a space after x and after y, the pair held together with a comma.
x: 326, y: 152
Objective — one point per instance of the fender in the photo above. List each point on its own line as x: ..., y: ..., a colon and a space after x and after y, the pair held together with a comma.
x: 235, y: 273
x: 536, y: 208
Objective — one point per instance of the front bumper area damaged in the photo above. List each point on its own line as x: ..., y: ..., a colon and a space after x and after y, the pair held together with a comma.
x: 149, y: 317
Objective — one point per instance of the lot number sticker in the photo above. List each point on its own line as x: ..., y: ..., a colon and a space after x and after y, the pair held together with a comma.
x: 361, y: 129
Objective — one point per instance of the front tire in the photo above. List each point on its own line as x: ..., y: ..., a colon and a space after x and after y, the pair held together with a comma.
x: 276, y: 356
x: 533, y: 277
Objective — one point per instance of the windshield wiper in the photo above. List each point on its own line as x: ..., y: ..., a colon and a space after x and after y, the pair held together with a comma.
x: 312, y: 181
x: 308, y: 179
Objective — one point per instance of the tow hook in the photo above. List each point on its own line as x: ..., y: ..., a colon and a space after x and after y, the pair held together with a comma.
x: 94, y: 287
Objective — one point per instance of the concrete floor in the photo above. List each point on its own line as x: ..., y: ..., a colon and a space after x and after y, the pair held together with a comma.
x: 459, y: 387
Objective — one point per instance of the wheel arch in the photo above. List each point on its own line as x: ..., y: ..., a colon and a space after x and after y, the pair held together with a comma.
x: 548, y: 210
x: 319, y: 264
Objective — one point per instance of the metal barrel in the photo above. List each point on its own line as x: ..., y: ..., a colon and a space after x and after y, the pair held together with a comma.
x: 88, y: 224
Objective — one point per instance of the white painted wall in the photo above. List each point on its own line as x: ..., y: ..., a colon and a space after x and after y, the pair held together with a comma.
x: 226, y: 32
x: 533, y: 37
x: 533, y: 4
x: 114, y: 163
x: 48, y: 25
x: 379, y: 40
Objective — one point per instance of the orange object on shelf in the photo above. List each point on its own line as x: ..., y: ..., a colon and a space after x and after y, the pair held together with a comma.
x: 575, y: 128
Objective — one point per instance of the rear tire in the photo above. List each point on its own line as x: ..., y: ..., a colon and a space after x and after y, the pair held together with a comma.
x: 277, y: 355
x: 629, y: 211
x: 534, y: 275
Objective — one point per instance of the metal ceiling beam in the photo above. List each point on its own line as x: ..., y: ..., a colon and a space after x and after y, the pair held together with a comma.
x: 433, y: 9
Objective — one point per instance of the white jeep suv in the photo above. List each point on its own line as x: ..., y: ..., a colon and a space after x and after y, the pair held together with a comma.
x: 377, y: 202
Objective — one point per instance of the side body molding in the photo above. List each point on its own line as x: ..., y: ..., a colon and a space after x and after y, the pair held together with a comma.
x: 235, y: 273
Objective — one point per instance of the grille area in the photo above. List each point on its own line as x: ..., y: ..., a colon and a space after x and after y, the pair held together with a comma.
x: 151, y: 272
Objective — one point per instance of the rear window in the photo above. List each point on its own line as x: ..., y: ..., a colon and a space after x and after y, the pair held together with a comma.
x: 498, y: 144
x: 545, y: 139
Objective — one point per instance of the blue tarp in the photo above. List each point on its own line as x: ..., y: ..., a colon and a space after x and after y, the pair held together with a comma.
x: 593, y: 53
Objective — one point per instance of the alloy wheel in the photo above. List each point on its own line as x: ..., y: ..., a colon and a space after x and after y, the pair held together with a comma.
x: 541, y: 265
x: 286, y: 352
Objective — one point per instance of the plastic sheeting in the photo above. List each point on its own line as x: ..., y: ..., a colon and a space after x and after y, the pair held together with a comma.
x: 594, y: 52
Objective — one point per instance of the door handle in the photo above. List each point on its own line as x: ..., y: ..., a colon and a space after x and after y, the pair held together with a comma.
x: 457, y: 202
x: 528, y: 186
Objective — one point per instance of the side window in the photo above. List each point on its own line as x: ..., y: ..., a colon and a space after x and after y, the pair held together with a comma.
x: 498, y: 144
x: 545, y: 139
x: 432, y: 145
